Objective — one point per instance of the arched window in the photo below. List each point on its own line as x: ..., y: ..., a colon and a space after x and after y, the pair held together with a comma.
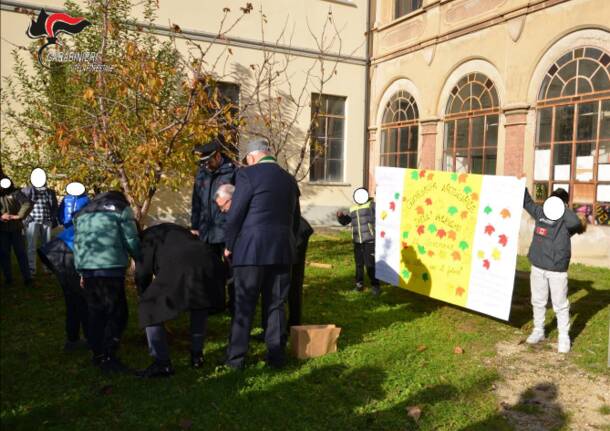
x: 573, y: 132
x: 399, y: 132
x: 471, y: 126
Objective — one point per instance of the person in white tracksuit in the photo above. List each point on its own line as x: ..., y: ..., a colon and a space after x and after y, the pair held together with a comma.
x: 550, y: 254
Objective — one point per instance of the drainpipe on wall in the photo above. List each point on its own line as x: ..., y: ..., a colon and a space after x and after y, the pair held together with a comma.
x: 367, y: 88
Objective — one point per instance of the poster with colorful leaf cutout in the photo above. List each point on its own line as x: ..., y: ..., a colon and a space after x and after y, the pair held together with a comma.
x: 449, y: 236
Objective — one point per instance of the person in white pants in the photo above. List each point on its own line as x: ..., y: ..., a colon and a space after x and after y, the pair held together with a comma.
x: 550, y: 254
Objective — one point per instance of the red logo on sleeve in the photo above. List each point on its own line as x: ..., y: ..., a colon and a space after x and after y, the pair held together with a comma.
x: 541, y: 231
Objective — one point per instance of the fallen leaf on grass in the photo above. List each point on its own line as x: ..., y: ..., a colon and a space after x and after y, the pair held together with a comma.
x: 458, y: 350
x: 320, y: 265
x: 185, y: 424
x: 414, y: 412
x: 106, y: 390
x: 421, y: 348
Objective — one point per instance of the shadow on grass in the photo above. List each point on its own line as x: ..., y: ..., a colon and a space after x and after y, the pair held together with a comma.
x: 536, y: 409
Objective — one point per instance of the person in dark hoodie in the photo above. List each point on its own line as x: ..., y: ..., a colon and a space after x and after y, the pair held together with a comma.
x: 58, y: 257
x: 188, y: 276
x: 207, y: 220
x: 105, y: 235
x: 14, y: 208
x: 549, y: 254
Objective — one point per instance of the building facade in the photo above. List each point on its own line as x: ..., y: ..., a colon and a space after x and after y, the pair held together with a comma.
x: 338, y: 167
x: 501, y: 87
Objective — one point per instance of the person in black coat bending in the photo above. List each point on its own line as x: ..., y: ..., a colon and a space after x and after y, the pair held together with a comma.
x: 188, y: 275
x: 260, y: 241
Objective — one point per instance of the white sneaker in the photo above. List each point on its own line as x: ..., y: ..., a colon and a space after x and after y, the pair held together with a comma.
x: 563, y: 344
x: 535, y: 337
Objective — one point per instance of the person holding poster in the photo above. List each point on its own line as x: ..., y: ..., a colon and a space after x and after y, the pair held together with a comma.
x: 362, y: 218
x: 549, y: 255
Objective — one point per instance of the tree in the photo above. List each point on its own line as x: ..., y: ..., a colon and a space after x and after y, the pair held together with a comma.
x: 130, y: 127
x: 274, y: 97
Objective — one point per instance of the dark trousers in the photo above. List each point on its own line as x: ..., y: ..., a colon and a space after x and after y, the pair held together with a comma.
x: 295, y: 293
x: 107, y: 306
x: 157, y: 336
x: 273, y: 282
x: 364, y: 256
x: 219, y: 250
x: 77, y: 316
x: 16, y: 241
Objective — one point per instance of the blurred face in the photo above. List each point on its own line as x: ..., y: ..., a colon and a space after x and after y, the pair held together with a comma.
x: 223, y: 203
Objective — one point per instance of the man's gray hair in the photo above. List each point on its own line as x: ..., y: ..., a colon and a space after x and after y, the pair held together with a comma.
x: 225, y: 190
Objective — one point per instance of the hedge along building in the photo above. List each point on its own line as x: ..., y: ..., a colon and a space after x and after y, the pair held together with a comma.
x: 498, y: 87
x: 338, y: 166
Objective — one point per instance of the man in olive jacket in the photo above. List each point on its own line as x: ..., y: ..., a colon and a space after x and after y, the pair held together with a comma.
x: 14, y: 207
x: 106, y: 234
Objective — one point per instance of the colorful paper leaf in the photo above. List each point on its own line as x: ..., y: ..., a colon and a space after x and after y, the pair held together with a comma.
x: 405, y: 273
x: 459, y: 291
x: 404, y: 244
x: 489, y: 229
x: 396, y: 195
x: 452, y: 210
x: 462, y: 178
x: 392, y: 206
x: 428, y: 201
x: 419, y: 210
x: 430, y: 253
x: 505, y: 213
x: 464, y: 214
x: 486, y: 264
x: 456, y: 255
x: 421, y: 249
x: 414, y: 175
x: 495, y: 254
x: 451, y: 235
x: 480, y: 254
x: 421, y: 229
x: 384, y: 215
x: 474, y: 196
x: 487, y: 210
x: 430, y: 176
x: 405, y: 234
x: 432, y: 228
x: 382, y: 234
x: 441, y: 233
x: 422, y: 173
x: 502, y: 240
x: 463, y: 245
x: 467, y: 189
x: 454, y: 177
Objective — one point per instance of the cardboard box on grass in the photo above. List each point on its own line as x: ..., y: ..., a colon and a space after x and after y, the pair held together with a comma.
x: 311, y: 341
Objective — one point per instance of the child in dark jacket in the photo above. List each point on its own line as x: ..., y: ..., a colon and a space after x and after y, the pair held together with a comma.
x: 549, y: 254
x: 362, y: 218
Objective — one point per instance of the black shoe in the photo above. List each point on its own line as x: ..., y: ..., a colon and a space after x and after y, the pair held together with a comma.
x: 71, y: 346
x: 157, y: 369
x: 376, y: 290
x: 197, y: 359
x: 359, y: 287
x: 111, y: 364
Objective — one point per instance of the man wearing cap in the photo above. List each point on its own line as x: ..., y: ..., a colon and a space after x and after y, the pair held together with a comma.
x: 260, y: 238
x: 207, y: 221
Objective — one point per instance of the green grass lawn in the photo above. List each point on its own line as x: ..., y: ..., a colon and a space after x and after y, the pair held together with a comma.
x: 394, y: 351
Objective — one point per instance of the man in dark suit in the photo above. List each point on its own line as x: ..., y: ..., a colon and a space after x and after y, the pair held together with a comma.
x: 260, y: 234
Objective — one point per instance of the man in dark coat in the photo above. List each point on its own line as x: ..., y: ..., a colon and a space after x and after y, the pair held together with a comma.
x: 224, y: 197
x: 207, y: 220
x: 260, y: 240
x: 188, y: 276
